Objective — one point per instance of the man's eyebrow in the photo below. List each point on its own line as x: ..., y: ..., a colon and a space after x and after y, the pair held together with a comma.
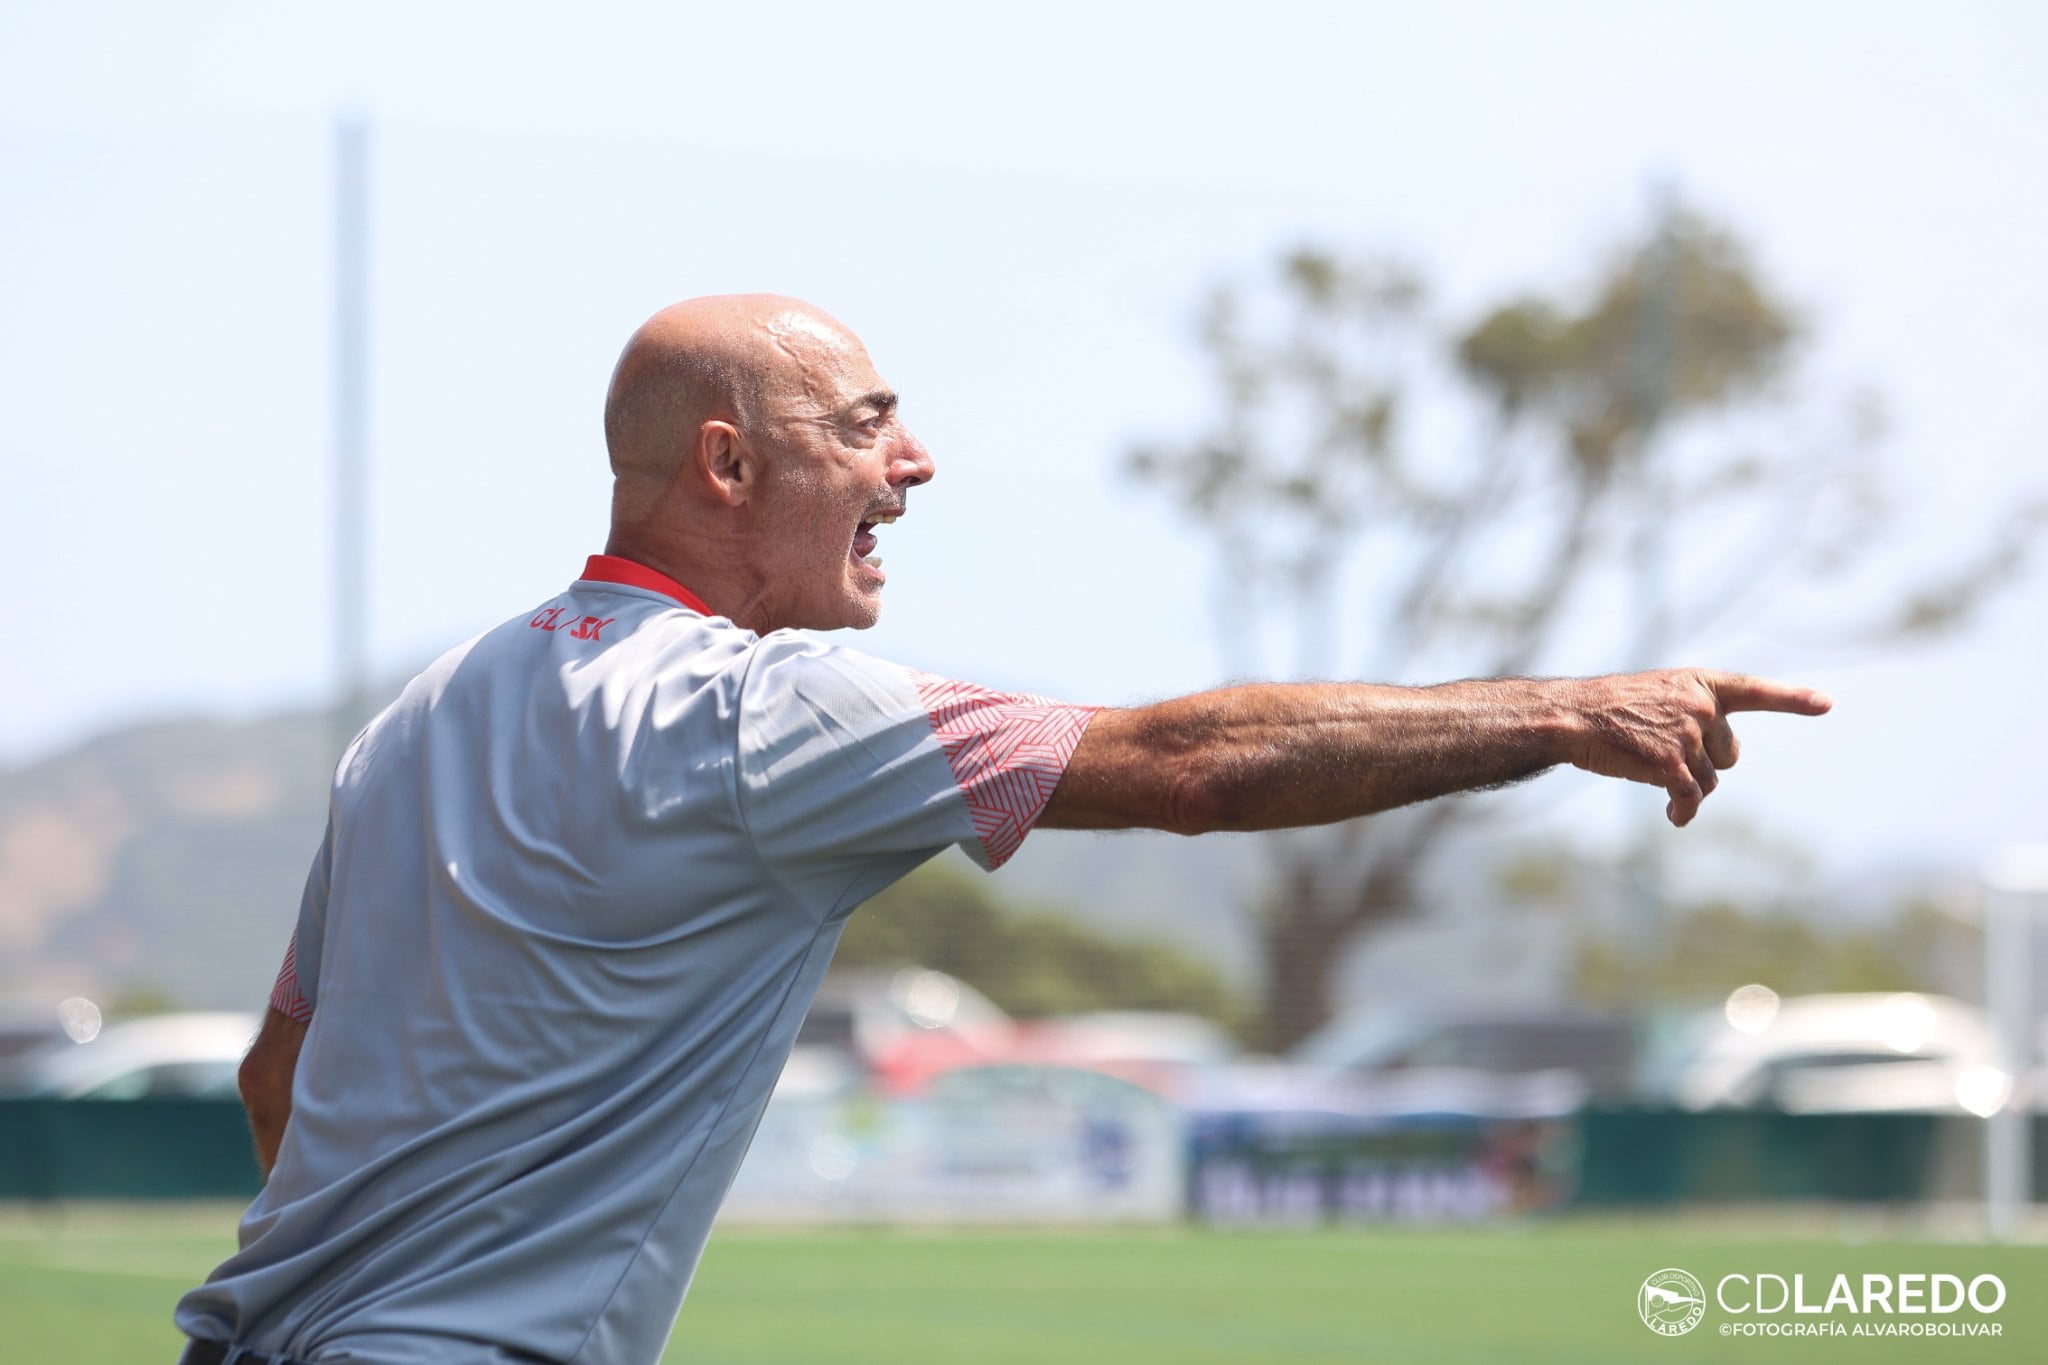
x: 881, y: 400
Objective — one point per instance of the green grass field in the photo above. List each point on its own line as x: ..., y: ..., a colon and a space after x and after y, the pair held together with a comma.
x: 97, y: 1284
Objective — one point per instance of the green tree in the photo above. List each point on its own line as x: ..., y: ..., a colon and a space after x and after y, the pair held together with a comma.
x: 1030, y: 962
x: 140, y: 998
x: 1620, y: 468
x: 1717, y: 945
x: 1749, y: 908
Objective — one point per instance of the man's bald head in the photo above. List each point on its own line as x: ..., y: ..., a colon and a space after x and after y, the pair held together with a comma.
x: 702, y: 360
x: 753, y: 443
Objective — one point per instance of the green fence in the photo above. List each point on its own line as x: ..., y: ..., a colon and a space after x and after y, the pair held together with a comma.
x: 125, y: 1149
x: 1648, y: 1157
x: 183, y: 1149
x: 1635, y: 1157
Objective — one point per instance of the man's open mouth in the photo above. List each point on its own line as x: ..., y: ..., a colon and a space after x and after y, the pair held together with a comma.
x: 864, y: 539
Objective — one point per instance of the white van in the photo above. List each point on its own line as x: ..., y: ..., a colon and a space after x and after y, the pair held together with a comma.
x: 1838, y: 1054
x: 160, y: 1054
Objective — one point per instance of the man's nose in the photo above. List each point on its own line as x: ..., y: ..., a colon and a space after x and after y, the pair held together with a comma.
x: 912, y: 463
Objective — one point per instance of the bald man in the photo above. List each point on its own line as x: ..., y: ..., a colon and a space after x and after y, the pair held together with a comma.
x: 581, y: 880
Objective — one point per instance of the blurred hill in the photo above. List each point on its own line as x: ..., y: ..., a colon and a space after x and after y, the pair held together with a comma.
x: 162, y: 861
x: 161, y: 864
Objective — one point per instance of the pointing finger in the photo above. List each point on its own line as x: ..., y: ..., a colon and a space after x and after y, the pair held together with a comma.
x: 1739, y: 692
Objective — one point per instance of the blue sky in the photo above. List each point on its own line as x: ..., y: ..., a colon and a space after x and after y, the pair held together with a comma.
x: 1019, y: 210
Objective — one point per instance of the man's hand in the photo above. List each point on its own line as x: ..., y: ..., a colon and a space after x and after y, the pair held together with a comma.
x: 1670, y: 728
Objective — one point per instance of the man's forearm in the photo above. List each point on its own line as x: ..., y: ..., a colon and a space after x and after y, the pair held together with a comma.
x: 267, y: 1119
x: 1278, y: 756
x: 265, y: 1082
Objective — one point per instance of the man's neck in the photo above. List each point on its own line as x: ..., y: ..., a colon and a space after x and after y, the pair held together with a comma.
x: 734, y: 593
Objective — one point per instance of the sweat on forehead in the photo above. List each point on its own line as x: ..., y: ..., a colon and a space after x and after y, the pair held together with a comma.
x: 816, y: 362
x: 795, y: 326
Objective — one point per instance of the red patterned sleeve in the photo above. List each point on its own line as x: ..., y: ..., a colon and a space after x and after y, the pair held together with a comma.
x: 285, y: 996
x: 1007, y: 751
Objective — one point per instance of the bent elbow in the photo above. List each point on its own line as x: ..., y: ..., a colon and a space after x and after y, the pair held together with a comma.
x: 264, y: 1081
x: 1194, y: 803
x: 255, y: 1084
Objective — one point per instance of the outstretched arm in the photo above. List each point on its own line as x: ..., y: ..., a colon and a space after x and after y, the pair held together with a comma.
x: 1279, y: 755
x: 266, y: 1083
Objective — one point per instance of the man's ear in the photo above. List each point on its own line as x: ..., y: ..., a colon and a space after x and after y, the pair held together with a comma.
x: 726, y: 462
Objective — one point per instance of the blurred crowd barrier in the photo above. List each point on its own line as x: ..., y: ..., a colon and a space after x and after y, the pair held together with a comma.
x: 1004, y: 1144
x: 1293, y: 1167
x: 1012, y: 1145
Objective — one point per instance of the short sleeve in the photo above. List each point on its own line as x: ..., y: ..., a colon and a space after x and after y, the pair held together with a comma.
x: 297, y: 980
x: 853, y: 770
x: 285, y: 996
x: 1006, y: 750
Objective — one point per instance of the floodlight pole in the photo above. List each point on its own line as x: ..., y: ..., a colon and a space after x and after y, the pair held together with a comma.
x: 2015, y: 886
x: 351, y: 427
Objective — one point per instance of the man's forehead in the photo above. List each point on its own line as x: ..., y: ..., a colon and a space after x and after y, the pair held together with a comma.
x: 828, y: 363
x: 799, y: 327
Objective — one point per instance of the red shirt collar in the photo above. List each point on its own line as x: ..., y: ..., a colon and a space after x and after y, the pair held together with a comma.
x: 631, y: 573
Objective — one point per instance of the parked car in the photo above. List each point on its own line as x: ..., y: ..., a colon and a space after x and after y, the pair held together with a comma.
x: 21, y: 1041
x: 1850, y: 1053
x: 1396, y: 1047
x: 897, y: 1028
x: 900, y: 1030
x: 164, y: 1054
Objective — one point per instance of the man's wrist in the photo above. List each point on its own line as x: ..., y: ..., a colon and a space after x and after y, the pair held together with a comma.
x: 1560, y: 719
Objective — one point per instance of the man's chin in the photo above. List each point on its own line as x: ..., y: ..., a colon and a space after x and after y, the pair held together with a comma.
x: 857, y: 610
x: 864, y: 613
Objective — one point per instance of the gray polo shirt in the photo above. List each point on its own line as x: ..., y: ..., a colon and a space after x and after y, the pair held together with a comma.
x: 578, y: 888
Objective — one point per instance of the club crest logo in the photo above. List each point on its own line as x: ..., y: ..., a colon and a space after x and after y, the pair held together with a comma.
x: 1671, y: 1302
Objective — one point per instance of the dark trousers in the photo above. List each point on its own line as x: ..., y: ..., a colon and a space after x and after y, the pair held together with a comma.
x: 213, y: 1353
